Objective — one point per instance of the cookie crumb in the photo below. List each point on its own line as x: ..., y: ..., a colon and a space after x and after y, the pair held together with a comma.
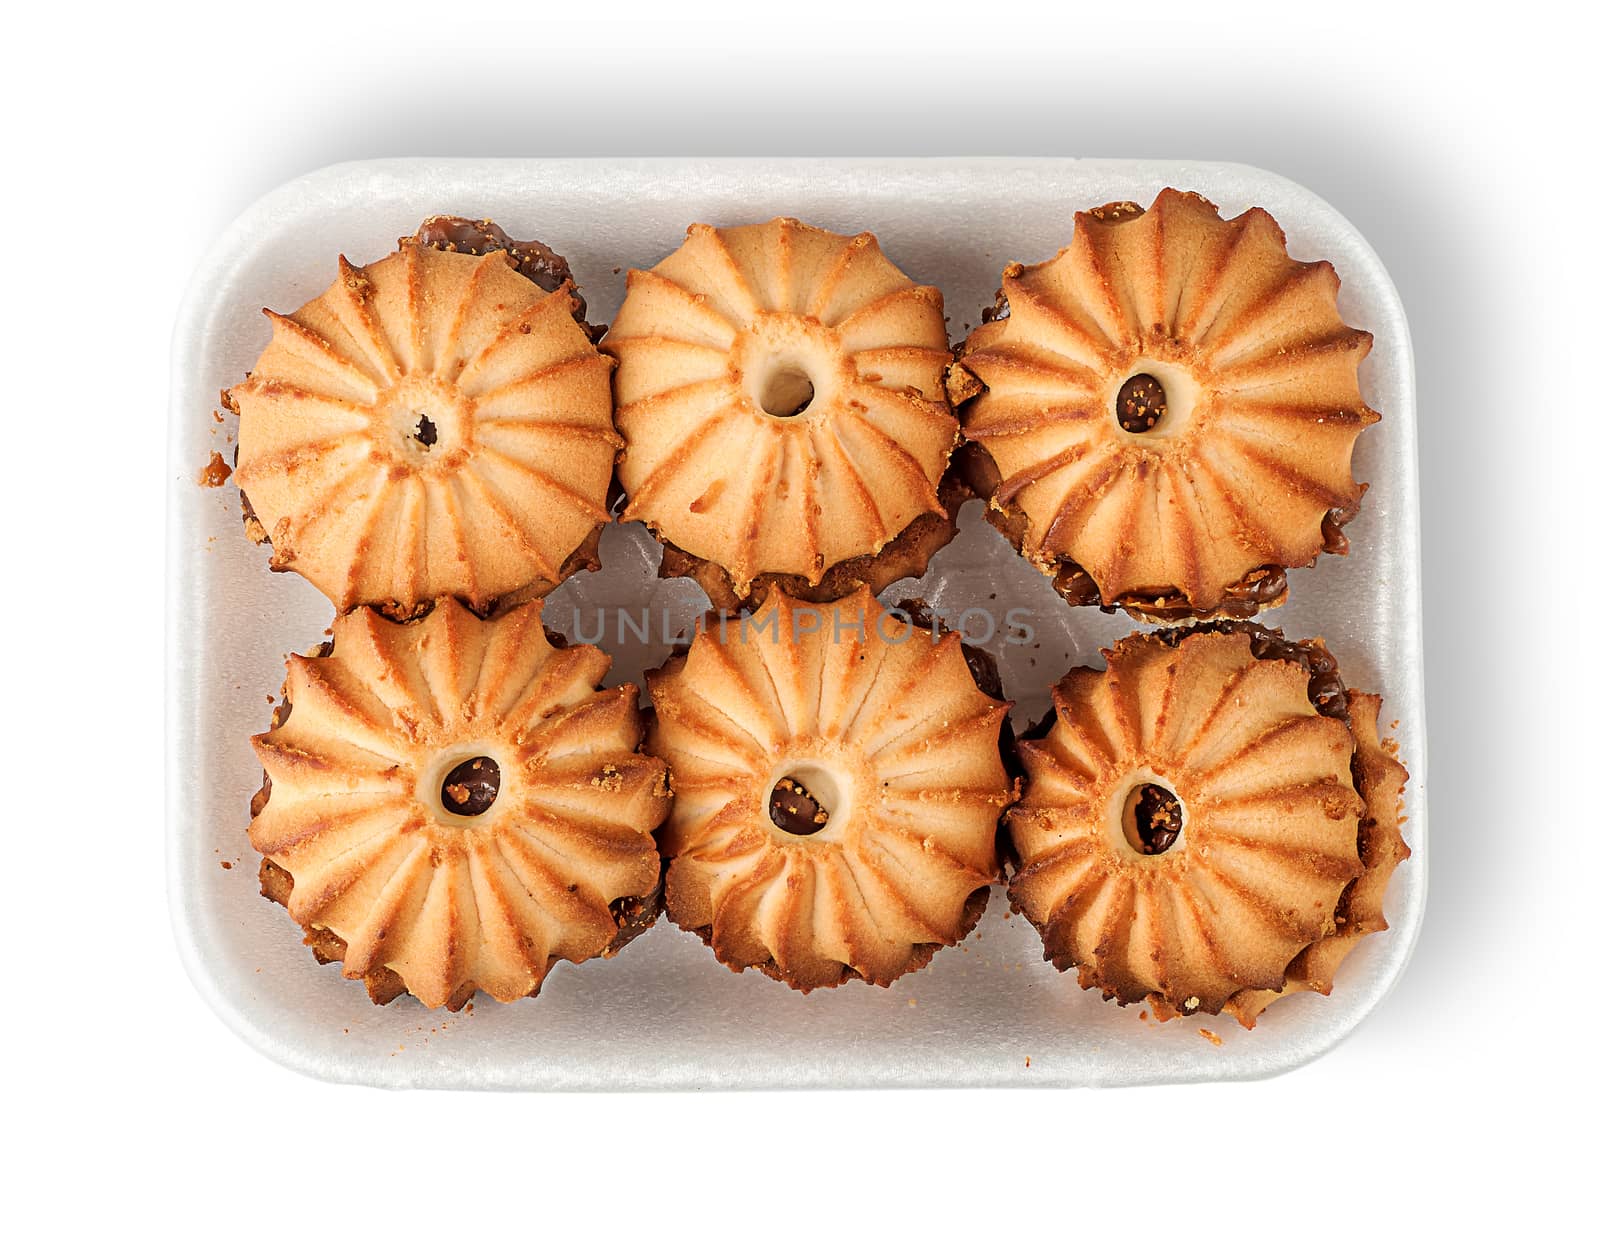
x: 215, y: 472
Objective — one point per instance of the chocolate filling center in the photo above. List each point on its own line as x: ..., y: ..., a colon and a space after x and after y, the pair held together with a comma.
x: 794, y: 809
x: 787, y: 392
x: 471, y: 786
x: 427, y: 433
x: 1141, y: 402
x: 1152, y: 819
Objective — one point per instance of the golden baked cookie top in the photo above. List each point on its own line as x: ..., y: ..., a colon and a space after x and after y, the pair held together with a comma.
x: 458, y: 804
x: 780, y: 390
x: 434, y: 424
x: 1169, y: 407
x: 1191, y: 822
x: 837, y: 780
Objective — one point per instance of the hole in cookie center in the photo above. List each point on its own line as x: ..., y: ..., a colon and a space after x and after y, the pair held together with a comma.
x: 427, y: 432
x: 1152, y: 818
x: 1141, y: 403
x: 471, y: 787
x: 787, y: 392
x: 795, y: 809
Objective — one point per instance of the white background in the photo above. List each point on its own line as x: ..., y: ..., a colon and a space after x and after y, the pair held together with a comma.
x: 1462, y: 148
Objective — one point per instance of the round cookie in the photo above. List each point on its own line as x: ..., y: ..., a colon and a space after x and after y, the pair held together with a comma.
x: 780, y: 390
x: 452, y: 804
x: 1163, y: 415
x: 837, y: 779
x: 1195, y: 829
x: 435, y: 423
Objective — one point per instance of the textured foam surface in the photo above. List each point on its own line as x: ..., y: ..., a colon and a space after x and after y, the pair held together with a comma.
x: 665, y: 1013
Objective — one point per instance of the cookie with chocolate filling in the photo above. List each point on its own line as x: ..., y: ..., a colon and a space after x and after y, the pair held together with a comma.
x: 1208, y: 823
x: 453, y: 804
x: 780, y: 392
x: 837, y: 780
x: 1163, y: 415
x: 435, y: 423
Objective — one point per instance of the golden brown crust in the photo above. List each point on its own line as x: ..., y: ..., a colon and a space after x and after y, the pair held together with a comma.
x: 1380, y: 778
x: 920, y: 955
x: 905, y: 556
x: 1245, y: 471
x: 586, y: 557
x: 382, y: 984
x: 634, y: 916
x: 1260, y: 589
x: 780, y: 390
x: 397, y: 868
x: 899, y: 747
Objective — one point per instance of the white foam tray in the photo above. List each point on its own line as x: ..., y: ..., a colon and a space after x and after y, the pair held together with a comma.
x: 664, y: 1013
